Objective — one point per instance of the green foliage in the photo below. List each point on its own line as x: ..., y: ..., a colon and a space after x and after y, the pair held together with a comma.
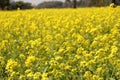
x: 4, y: 4
x: 21, y: 5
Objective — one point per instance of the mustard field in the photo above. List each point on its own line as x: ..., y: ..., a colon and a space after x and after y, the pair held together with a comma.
x: 60, y: 44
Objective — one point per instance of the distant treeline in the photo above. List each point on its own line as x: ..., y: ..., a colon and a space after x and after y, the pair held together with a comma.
x: 11, y: 4
x: 80, y: 3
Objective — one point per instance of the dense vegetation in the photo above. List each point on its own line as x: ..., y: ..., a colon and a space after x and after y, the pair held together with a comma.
x: 60, y: 44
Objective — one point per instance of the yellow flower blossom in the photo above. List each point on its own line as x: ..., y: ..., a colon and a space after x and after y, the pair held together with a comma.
x: 100, y: 70
x: 22, y: 56
x: 95, y: 77
x: 11, y: 64
x: 37, y: 75
x: 87, y: 75
x: 58, y: 58
x: 44, y: 76
x: 30, y: 60
x: 21, y: 77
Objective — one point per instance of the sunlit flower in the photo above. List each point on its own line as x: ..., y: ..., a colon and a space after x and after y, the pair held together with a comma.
x: 11, y: 65
x: 87, y: 75
x: 112, y: 5
x: 30, y: 60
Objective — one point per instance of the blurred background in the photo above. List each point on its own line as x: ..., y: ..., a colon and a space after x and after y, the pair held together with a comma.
x: 29, y: 4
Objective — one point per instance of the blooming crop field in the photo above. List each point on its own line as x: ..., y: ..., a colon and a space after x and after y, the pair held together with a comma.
x: 60, y: 44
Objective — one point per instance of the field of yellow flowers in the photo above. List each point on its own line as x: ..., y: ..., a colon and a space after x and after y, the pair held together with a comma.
x: 60, y: 44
